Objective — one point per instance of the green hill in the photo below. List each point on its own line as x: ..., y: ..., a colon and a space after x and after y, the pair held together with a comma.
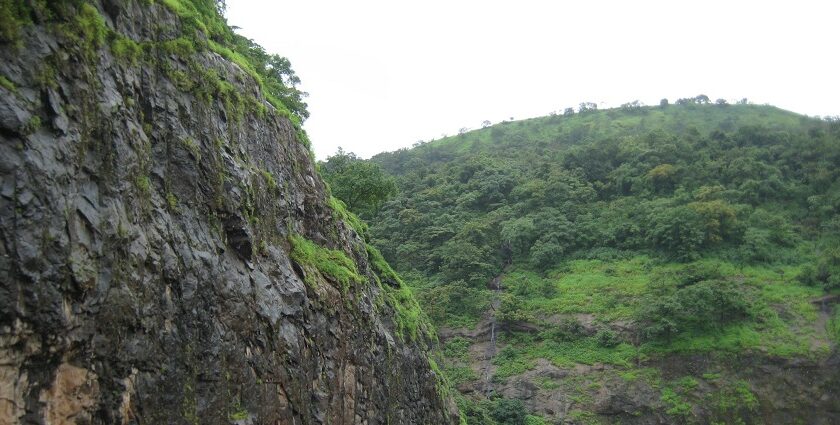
x: 626, y: 241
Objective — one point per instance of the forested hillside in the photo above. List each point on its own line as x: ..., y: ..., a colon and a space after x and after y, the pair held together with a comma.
x: 656, y: 264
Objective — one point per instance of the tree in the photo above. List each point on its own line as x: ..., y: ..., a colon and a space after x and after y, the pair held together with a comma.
x: 568, y: 112
x: 825, y: 271
x: 467, y: 261
x: 719, y: 221
x: 632, y: 105
x: 518, y: 234
x: 508, y: 412
x: 587, y: 107
x: 678, y: 231
x: 279, y: 79
x: 362, y: 185
x: 664, y: 102
x: 662, y: 177
x: 485, y: 124
x: 702, y: 99
x: 721, y: 102
x: 692, y: 299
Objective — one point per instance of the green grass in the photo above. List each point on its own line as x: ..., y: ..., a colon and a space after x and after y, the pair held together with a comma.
x: 126, y: 50
x: 341, y: 213
x: 784, y: 318
x: 181, y: 46
x: 460, y: 374
x: 651, y: 376
x: 89, y: 29
x: 535, y: 420
x: 612, y: 290
x: 609, y: 290
x: 144, y: 185
x: 410, y: 319
x: 457, y: 349
x: 329, y: 263
x: 32, y: 125
x: 512, y: 361
x: 172, y: 202
x: 8, y: 85
x: 586, y: 351
x: 732, y: 401
x: 269, y: 180
x: 675, y: 404
x: 687, y: 383
x: 239, y: 415
x: 192, y: 146
x: 522, y: 350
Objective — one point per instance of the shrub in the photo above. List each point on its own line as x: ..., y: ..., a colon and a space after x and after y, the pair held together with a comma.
x: 825, y: 272
x: 513, y: 310
x: 676, y: 404
x: 678, y: 231
x: 508, y: 411
x: 126, y: 50
x: 607, y: 338
x: 691, y: 302
x: 535, y: 420
x: 567, y: 330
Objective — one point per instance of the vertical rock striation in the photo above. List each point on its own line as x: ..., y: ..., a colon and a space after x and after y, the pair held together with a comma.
x: 150, y: 198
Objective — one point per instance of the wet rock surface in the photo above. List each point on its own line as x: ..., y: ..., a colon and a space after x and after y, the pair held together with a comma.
x: 145, y: 266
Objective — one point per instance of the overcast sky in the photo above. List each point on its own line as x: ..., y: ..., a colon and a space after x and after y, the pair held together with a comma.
x: 384, y: 74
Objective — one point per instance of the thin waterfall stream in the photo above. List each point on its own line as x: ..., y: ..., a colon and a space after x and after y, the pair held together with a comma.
x: 496, y: 285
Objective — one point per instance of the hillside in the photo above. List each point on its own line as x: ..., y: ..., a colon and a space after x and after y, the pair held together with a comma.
x: 168, y: 252
x: 669, y: 264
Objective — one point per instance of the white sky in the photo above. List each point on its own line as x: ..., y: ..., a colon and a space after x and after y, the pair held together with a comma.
x: 385, y: 74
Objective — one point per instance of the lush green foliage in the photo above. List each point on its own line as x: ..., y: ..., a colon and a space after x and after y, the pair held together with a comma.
x: 826, y: 271
x: 749, y: 184
x: 623, y: 236
x: 361, y: 185
x: 508, y: 412
x: 694, y: 298
x: 8, y: 85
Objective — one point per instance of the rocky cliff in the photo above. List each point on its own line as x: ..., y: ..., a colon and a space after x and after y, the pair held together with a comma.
x: 169, y: 253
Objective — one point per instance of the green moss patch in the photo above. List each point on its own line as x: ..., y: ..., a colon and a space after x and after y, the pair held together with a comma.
x: 329, y: 263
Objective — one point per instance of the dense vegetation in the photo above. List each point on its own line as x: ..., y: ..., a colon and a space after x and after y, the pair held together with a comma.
x: 687, y: 227
x: 361, y: 185
x: 740, y: 183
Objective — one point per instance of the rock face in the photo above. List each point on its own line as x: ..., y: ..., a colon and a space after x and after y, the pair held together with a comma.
x: 145, y: 256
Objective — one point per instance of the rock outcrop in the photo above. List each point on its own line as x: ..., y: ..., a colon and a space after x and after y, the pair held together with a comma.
x: 149, y: 200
